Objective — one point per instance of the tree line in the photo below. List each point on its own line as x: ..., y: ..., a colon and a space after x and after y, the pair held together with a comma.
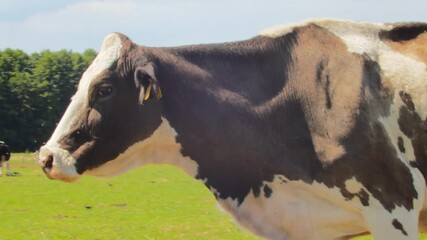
x: 35, y: 90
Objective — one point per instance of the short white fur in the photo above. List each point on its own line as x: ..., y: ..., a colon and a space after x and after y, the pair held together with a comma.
x: 303, y: 211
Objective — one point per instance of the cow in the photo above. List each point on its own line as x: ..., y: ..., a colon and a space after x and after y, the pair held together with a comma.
x: 314, y: 130
x: 4, y: 158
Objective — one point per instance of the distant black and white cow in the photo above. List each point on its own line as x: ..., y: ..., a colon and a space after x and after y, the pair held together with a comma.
x: 4, y: 158
x: 311, y: 131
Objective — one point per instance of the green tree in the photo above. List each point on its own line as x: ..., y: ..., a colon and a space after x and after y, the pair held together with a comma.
x: 15, y: 68
x: 34, y: 92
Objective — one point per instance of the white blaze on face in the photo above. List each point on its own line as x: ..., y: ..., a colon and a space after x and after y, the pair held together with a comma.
x: 63, y: 162
x: 108, y: 54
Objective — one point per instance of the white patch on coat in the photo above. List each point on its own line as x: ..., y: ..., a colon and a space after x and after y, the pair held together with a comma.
x: 406, y: 74
x: 301, y: 211
x: 160, y: 148
x: 328, y: 150
x: 281, y: 30
x: 360, y: 37
x: 353, y: 186
x: 380, y: 221
x: 297, y: 210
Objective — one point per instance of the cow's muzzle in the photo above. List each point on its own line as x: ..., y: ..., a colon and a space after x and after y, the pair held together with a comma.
x: 57, y: 164
x: 46, y: 163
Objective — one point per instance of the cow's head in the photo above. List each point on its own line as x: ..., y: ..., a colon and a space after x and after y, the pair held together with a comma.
x: 116, y: 105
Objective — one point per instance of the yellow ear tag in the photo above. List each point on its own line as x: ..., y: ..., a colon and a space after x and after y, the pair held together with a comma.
x: 147, y: 93
x: 159, y: 94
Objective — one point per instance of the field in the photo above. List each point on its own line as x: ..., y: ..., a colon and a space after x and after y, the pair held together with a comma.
x: 156, y: 202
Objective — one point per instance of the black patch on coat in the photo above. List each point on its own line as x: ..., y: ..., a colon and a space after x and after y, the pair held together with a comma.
x: 363, y: 197
x: 407, y: 99
x: 282, y: 180
x: 267, y: 191
x: 4, y: 151
x: 398, y: 225
x: 322, y: 77
x: 401, y: 145
x: 404, y: 32
x: 413, y: 164
x: 411, y: 124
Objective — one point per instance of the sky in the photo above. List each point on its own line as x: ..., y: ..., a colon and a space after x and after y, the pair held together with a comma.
x: 36, y: 25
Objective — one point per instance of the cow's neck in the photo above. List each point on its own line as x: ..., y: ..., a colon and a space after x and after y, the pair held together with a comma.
x: 245, y: 74
x: 219, y: 136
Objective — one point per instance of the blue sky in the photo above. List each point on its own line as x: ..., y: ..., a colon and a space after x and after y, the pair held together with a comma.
x: 36, y: 25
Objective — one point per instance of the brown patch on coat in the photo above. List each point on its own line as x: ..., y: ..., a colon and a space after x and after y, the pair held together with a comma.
x: 328, y: 78
x: 401, y: 145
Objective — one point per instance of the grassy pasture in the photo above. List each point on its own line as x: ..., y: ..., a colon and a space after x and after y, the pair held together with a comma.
x: 155, y: 202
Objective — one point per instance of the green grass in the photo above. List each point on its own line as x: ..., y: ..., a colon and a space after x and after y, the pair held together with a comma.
x: 155, y: 202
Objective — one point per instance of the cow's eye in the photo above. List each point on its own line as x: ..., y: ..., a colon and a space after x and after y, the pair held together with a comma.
x: 104, y: 91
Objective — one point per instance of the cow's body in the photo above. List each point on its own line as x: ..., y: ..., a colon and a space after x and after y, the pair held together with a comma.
x: 315, y: 131
x: 4, y: 158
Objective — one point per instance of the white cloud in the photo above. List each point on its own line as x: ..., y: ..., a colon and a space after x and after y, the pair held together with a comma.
x: 82, y: 16
x: 81, y: 24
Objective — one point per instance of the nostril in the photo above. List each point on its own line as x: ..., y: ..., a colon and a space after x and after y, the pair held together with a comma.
x: 46, y: 159
x: 51, y: 161
x: 48, y: 164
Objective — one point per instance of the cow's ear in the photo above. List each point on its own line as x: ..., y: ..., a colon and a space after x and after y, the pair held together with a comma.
x: 146, y: 81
